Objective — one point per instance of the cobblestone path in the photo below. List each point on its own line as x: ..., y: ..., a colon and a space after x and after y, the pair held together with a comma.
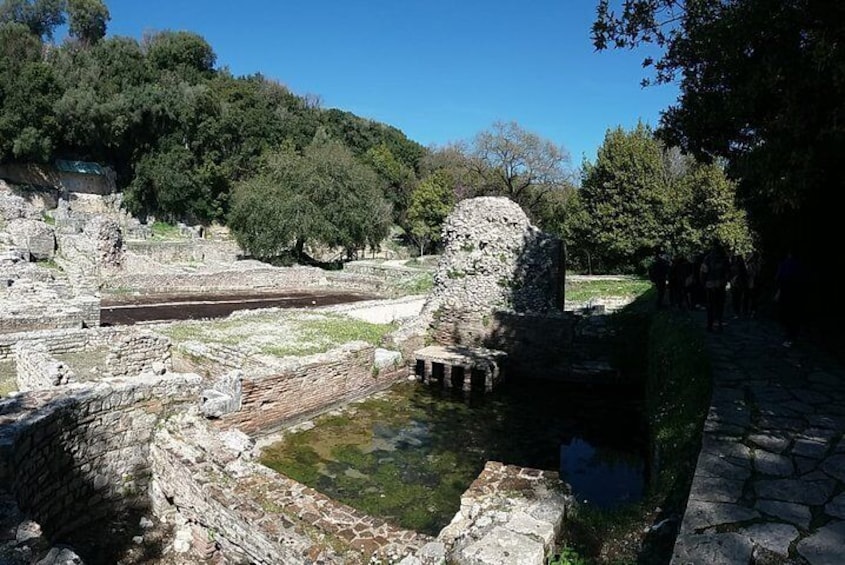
x: 769, y: 486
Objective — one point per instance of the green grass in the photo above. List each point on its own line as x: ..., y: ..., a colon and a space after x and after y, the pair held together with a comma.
x: 48, y: 218
x: 299, y: 335
x: 582, y: 291
x: 420, y: 284
x: 163, y: 230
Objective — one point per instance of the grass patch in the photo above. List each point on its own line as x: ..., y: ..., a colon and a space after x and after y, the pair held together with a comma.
x: 49, y: 264
x: 281, y: 334
x: 8, y: 380
x: 48, y: 218
x: 582, y: 291
x: 420, y: 284
x: 163, y: 230
x: 668, y: 349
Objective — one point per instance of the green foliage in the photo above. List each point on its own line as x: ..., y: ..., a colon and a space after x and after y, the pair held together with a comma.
x: 568, y: 556
x: 163, y: 230
x: 762, y: 88
x: 621, y: 193
x: 639, y: 195
x: 431, y: 202
x: 41, y: 17
x: 87, y: 20
x: 323, y: 195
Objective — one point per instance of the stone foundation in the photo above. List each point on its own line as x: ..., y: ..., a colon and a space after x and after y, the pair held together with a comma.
x: 136, y: 353
x: 192, y: 251
x: 82, y: 453
x: 36, y: 369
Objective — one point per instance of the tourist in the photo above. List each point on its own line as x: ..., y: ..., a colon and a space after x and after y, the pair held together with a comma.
x: 658, y: 272
x: 739, y: 284
x: 679, y: 279
x: 752, y: 267
x: 714, y: 279
x: 788, y: 296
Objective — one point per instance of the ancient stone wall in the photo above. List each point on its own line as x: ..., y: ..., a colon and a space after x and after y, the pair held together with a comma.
x: 34, y: 315
x: 494, y: 259
x: 303, y: 386
x: 194, y: 357
x: 259, y: 279
x: 36, y: 369
x: 536, y: 344
x: 257, y: 514
x: 391, y: 273
x: 136, y: 352
x: 82, y: 454
x: 193, y: 251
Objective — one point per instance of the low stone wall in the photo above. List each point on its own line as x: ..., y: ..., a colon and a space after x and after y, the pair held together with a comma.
x: 301, y: 387
x: 36, y: 369
x: 49, y: 313
x: 260, y: 279
x: 256, y: 514
x: 192, y: 251
x: 393, y: 274
x: 208, y: 361
x: 535, y: 343
x: 65, y: 340
x: 136, y: 352
x: 79, y: 454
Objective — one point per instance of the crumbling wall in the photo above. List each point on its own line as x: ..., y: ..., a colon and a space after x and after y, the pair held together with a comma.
x: 136, y: 352
x: 81, y: 453
x: 195, y: 250
x: 300, y: 387
x: 36, y: 369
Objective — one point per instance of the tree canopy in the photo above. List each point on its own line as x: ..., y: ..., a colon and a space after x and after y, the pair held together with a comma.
x: 762, y: 87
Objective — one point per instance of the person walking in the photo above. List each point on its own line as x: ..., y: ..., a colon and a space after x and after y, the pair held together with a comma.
x: 714, y: 279
x: 739, y: 285
x: 658, y: 272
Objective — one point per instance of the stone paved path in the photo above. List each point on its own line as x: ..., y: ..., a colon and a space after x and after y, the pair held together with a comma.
x: 769, y: 486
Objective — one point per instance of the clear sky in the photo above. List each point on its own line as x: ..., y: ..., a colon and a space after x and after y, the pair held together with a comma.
x: 439, y: 70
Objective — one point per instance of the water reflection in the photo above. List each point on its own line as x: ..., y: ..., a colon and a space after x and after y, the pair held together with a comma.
x: 604, y: 477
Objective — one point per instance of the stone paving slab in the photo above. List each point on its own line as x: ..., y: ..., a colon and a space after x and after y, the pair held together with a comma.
x: 770, y: 478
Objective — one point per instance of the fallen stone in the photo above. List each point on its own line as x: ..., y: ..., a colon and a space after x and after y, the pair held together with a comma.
x: 712, y: 549
x: 772, y: 464
x: 27, y: 530
x: 774, y: 537
x: 824, y: 547
x: 700, y: 515
x: 432, y: 553
x: 159, y: 368
x: 385, y: 358
x: 788, y: 512
x: 60, y: 556
x: 770, y: 442
x: 716, y: 466
x: 145, y: 523
x: 836, y: 507
x: 34, y: 236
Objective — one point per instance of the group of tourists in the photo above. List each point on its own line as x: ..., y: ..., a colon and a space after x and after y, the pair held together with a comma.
x: 707, y: 280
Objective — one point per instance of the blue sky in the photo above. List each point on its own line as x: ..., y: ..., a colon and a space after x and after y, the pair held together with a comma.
x: 439, y: 70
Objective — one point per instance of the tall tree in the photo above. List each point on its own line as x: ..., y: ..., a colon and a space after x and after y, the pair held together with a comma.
x: 431, y: 202
x: 87, y: 20
x: 622, y: 194
x: 40, y: 16
x: 762, y: 86
x: 519, y: 164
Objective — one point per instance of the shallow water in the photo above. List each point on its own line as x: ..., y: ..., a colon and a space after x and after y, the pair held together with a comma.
x: 409, y: 453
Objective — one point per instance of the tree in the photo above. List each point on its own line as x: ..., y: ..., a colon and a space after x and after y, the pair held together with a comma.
x: 513, y: 162
x: 763, y: 87
x: 40, y: 16
x: 87, y: 20
x: 323, y: 195
x: 622, y: 194
x: 431, y: 202
x: 187, y: 54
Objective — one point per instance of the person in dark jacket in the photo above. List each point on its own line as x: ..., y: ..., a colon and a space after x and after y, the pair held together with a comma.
x: 658, y: 273
x: 714, y: 279
x: 790, y: 278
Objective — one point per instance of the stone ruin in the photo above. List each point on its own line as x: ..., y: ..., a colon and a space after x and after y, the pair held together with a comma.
x: 499, y: 286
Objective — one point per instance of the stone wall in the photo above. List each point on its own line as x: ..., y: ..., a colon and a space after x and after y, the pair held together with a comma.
x: 258, y: 515
x: 393, y: 274
x: 192, y: 251
x: 300, y: 387
x: 34, y: 315
x: 536, y: 344
x: 81, y: 454
x: 239, y: 279
x: 136, y: 352
x: 36, y: 369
